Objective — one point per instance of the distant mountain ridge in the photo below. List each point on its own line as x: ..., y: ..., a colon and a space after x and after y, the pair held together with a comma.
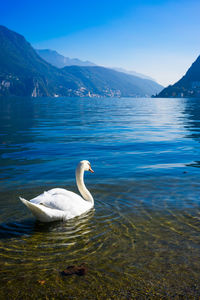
x: 133, y: 73
x: 24, y: 73
x: 60, y: 61
x: 188, y: 86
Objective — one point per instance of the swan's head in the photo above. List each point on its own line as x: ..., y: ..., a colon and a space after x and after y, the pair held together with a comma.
x: 85, y: 164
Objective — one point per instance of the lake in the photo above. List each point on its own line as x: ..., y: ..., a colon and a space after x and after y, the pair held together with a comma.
x: 143, y: 237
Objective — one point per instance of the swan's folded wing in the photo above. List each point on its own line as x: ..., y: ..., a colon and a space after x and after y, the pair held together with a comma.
x: 42, y: 213
x: 64, y: 200
x: 41, y: 198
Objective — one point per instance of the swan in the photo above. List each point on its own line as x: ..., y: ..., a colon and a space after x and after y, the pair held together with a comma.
x: 60, y: 204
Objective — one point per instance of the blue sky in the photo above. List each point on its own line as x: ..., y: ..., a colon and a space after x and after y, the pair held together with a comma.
x: 157, y: 38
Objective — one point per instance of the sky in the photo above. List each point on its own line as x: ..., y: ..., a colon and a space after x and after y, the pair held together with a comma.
x: 159, y: 38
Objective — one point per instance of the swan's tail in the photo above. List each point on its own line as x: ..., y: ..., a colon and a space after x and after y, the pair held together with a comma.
x: 43, y: 213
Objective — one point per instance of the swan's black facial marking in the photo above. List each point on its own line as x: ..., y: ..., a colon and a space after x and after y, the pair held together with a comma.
x: 90, y: 169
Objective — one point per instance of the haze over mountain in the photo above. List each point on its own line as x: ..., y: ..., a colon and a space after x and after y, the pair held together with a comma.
x: 133, y: 73
x: 60, y: 61
x: 24, y: 73
x: 187, y: 86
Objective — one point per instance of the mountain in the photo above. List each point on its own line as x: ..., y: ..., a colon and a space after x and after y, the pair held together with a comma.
x: 133, y: 73
x: 24, y: 73
x: 188, y: 86
x: 103, y: 81
x: 61, y: 61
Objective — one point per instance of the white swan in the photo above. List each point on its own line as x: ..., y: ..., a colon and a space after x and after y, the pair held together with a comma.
x: 60, y: 204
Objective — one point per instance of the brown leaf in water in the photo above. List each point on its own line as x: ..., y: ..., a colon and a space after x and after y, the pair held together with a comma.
x: 41, y: 282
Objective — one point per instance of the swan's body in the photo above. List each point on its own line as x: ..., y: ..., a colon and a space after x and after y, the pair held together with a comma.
x: 60, y: 204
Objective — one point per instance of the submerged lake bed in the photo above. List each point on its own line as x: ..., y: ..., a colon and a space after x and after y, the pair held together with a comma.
x: 143, y: 237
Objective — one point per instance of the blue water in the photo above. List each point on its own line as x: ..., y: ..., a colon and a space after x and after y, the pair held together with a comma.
x: 42, y: 140
x: 146, y: 186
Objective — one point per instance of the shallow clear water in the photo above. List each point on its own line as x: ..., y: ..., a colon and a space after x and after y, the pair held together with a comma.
x: 143, y: 237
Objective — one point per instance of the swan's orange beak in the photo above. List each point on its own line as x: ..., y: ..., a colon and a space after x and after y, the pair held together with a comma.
x: 90, y: 169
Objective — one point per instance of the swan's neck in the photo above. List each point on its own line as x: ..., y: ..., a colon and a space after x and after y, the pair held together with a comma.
x: 81, y: 186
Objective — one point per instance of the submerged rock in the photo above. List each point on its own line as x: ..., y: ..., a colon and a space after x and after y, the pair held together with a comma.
x: 78, y: 270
